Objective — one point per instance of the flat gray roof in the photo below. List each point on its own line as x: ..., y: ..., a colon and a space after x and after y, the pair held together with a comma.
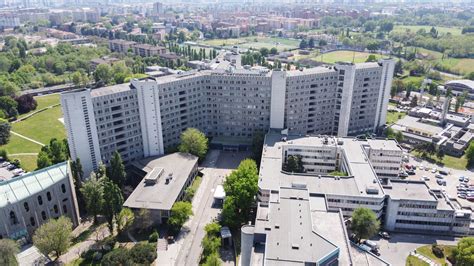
x: 413, y: 190
x: 293, y: 240
x: 110, y: 90
x: 386, y: 145
x: 162, y: 196
x: 414, y: 122
x: 362, y: 175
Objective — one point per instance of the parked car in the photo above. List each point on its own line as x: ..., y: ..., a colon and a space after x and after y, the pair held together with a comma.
x: 425, y: 178
x: 462, y: 196
x: 411, y: 172
x: 466, y: 179
x: 5, y: 164
x: 439, y: 176
x: 433, y: 170
x: 461, y: 178
x: 384, y: 235
x: 443, y: 172
x: 403, y: 174
x: 441, y: 182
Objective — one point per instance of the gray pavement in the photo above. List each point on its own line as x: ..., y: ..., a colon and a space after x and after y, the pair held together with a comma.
x: 396, y: 250
x: 187, y: 248
x: 451, y: 180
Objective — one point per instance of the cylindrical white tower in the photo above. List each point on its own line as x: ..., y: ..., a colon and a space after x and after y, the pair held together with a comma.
x: 246, y: 244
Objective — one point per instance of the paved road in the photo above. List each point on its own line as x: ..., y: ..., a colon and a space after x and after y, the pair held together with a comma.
x: 215, y: 169
x: 396, y: 250
x: 187, y: 248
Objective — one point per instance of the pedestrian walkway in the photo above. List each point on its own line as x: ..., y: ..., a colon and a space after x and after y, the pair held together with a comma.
x: 425, y: 259
x: 24, y: 137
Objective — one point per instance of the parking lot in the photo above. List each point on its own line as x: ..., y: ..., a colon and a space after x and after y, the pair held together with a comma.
x: 452, y: 179
x: 398, y: 247
x: 9, y: 171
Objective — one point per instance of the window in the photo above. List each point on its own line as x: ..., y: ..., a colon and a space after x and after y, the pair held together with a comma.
x: 40, y: 200
x: 32, y: 221
x: 43, y: 215
x: 48, y: 195
x: 27, y: 208
x: 55, y: 207
x: 13, y: 219
x: 63, y: 188
x: 64, y: 209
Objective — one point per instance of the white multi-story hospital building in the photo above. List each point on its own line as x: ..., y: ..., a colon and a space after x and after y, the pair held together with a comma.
x: 147, y: 116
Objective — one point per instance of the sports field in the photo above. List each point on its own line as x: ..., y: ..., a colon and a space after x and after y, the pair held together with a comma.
x: 346, y: 56
x: 256, y: 43
x: 415, y: 28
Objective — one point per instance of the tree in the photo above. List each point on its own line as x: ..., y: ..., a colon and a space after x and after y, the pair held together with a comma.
x: 241, y: 186
x: 371, y: 58
x: 470, y: 154
x: 195, y: 142
x: 8, y: 251
x: 124, y: 219
x: 43, y: 160
x: 9, y: 106
x: 103, y: 73
x: 311, y: 42
x: 93, y: 193
x: 230, y: 213
x: 143, y: 253
x: 399, y: 136
x: 118, y: 256
x: 210, y: 244
x: 143, y: 219
x: 440, y: 154
x: 386, y: 26
x: 464, y: 252
x: 26, y: 103
x: 79, y: 78
x: 364, y: 223
x: 303, y: 44
x: 54, y: 236
x: 414, y: 101
x: 56, y: 151
x: 180, y: 213
x: 116, y: 170
x: 264, y: 51
x: 4, y: 131
x: 113, y: 201
x: 398, y: 67
x: 294, y: 164
x: 323, y: 43
x: 213, y: 260
x: 212, y: 229
x: 273, y: 51
x: 373, y: 46
x: 370, y: 26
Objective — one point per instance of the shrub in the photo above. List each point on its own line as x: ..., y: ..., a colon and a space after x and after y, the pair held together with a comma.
x: 153, y: 238
x: 119, y: 256
x: 143, y: 253
x: 437, y: 251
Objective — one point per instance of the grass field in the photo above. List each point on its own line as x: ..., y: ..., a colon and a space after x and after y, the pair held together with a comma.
x: 42, y: 126
x: 348, y: 56
x: 415, y: 28
x: 462, y: 65
x: 44, y: 101
x: 448, y: 161
x: 256, y: 42
x: 414, y: 261
x: 393, y: 117
x: 427, y: 252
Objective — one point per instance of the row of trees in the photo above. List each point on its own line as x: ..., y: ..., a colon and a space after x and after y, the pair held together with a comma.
x: 240, y: 187
x: 55, y: 152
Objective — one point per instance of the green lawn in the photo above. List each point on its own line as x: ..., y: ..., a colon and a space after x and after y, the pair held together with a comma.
x: 256, y: 42
x: 45, y: 101
x: 462, y: 65
x: 427, y: 252
x: 448, y: 161
x: 20, y: 145
x: 346, y: 56
x: 42, y: 126
x: 414, y: 261
x: 393, y: 117
x: 28, y: 162
x: 415, y: 28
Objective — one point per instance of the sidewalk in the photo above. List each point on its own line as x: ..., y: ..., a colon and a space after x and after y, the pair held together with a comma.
x: 425, y: 259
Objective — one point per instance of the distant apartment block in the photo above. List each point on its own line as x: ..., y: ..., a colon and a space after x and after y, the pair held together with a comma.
x: 9, y: 20
x: 145, y: 117
x: 146, y: 50
x: 121, y: 46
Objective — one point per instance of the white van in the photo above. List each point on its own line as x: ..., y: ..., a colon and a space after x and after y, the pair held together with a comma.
x: 371, y: 244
